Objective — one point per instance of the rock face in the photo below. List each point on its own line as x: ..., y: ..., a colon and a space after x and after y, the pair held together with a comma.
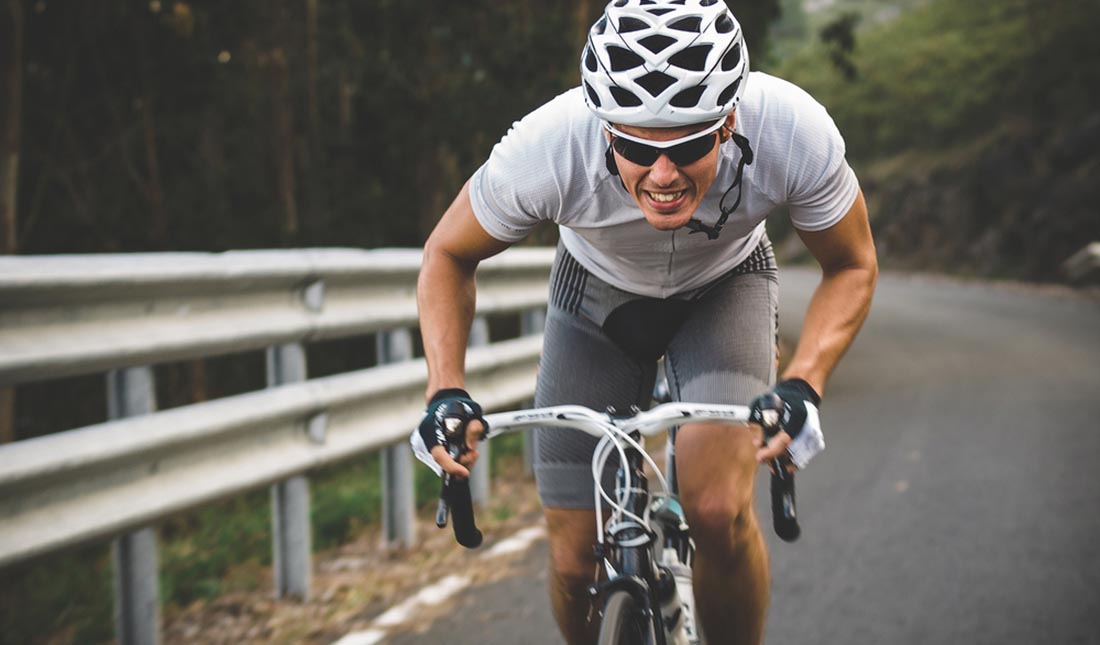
x: 1015, y: 206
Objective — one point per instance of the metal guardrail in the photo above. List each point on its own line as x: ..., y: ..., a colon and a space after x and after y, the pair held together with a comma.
x: 105, y: 479
x: 68, y: 315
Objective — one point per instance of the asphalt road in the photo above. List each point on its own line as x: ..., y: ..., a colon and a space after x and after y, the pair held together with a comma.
x: 958, y: 500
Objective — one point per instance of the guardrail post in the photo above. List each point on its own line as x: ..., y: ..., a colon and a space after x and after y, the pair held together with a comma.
x: 398, y: 488
x: 131, y: 392
x: 531, y: 322
x: 479, y: 476
x: 290, y: 525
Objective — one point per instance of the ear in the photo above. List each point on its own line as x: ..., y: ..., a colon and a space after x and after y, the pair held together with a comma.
x: 726, y: 130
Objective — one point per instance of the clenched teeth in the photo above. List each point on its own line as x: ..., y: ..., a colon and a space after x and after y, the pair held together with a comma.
x: 666, y: 197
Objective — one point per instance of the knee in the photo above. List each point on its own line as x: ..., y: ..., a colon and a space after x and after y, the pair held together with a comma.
x: 720, y: 522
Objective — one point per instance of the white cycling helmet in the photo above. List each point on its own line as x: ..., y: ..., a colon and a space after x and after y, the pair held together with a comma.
x: 664, y: 63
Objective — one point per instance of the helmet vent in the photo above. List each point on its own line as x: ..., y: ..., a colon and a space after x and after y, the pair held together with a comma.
x: 592, y: 96
x: 689, y: 98
x: 687, y: 24
x: 692, y: 58
x: 732, y: 58
x: 659, y: 11
x: 655, y: 82
x: 625, y: 98
x: 622, y: 58
x: 728, y: 93
x: 600, y: 26
x: 590, y: 60
x: 656, y: 43
x: 724, y: 25
x: 707, y: 3
x: 628, y: 24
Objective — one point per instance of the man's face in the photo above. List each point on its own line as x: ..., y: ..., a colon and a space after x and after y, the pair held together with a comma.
x: 667, y: 193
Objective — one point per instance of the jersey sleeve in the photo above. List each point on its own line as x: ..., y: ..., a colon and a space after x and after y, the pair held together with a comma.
x: 821, y: 186
x: 520, y: 184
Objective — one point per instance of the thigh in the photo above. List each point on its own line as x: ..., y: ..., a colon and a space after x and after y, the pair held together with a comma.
x: 725, y: 351
x: 580, y: 365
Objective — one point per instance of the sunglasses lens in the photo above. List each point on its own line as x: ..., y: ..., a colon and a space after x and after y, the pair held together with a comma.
x: 635, y: 152
x: 689, y: 152
x: 682, y: 154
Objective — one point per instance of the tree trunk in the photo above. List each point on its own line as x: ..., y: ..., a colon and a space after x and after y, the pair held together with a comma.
x: 311, y: 76
x: 155, y: 188
x: 12, y: 36
x: 12, y: 72
x: 284, y: 123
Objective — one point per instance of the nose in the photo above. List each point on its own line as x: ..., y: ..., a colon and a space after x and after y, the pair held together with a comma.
x: 663, y: 172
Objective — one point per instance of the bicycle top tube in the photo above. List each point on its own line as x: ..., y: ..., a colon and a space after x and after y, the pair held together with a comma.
x: 648, y: 423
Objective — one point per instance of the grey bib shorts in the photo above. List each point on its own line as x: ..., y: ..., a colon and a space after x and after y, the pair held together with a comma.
x: 602, y: 344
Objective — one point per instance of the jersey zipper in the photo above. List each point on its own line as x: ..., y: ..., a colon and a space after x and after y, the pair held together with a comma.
x: 671, y: 253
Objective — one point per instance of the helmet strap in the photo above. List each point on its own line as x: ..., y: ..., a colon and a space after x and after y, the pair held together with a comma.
x: 712, y: 232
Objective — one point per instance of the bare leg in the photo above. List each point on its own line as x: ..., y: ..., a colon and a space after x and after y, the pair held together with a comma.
x: 573, y: 567
x: 716, y: 469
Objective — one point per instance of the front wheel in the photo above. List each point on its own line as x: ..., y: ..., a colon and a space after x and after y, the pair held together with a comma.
x: 622, y: 622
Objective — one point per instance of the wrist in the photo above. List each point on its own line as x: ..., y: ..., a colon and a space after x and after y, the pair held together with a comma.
x: 447, y: 392
x: 800, y: 386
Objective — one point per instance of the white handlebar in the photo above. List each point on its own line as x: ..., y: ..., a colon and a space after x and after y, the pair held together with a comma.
x: 649, y: 422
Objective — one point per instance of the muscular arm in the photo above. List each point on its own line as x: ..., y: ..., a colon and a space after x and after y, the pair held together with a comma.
x: 841, y: 301
x: 445, y: 292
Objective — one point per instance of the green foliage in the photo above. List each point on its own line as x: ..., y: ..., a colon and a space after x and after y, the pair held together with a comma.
x: 66, y: 597
x: 946, y: 70
x: 198, y: 548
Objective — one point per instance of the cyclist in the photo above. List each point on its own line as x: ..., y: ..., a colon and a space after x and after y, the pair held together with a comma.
x: 659, y: 171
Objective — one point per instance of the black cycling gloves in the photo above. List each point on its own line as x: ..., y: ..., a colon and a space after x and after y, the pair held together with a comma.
x: 793, y: 395
x: 447, y: 413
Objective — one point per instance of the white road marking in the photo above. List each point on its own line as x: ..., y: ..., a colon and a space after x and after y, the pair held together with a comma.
x: 518, y: 542
x: 369, y: 637
x: 436, y: 593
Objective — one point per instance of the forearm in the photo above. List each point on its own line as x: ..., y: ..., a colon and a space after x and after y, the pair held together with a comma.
x: 836, y: 311
x: 446, y: 297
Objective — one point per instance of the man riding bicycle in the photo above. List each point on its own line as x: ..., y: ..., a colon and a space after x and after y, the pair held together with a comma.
x: 659, y: 171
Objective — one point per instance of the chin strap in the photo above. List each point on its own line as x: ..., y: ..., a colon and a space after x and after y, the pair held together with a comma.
x: 712, y: 232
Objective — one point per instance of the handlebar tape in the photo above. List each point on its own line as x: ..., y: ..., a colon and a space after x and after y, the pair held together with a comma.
x: 455, y: 496
x: 784, y: 515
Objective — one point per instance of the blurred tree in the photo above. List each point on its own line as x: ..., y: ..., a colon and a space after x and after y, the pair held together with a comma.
x: 204, y: 125
x: 755, y: 17
x: 11, y: 120
x: 839, y: 36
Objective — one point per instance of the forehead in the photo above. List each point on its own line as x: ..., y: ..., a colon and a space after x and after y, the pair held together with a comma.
x: 663, y: 134
x: 665, y: 137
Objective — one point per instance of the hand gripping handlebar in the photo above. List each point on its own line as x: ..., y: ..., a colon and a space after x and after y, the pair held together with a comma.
x: 455, y: 499
x: 784, y: 512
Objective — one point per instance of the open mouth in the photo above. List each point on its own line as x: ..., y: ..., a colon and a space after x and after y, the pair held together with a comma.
x: 666, y: 198
x: 665, y: 201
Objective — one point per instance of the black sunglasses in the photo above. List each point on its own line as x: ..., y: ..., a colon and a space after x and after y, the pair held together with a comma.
x: 681, y: 154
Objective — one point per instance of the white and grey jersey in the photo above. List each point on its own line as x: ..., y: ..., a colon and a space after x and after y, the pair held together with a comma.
x: 550, y: 166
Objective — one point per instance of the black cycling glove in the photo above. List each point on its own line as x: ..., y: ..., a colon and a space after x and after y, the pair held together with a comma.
x: 447, y: 413
x: 793, y: 395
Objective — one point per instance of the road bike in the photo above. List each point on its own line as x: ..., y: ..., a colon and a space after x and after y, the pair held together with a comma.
x: 647, y: 552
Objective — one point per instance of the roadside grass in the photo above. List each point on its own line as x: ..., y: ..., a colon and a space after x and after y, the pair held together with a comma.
x: 206, y: 552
